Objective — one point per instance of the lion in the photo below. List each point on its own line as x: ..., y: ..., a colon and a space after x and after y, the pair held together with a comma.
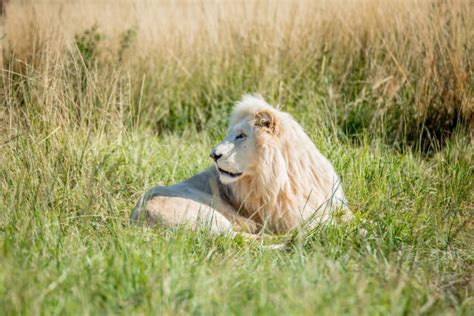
x: 267, y: 176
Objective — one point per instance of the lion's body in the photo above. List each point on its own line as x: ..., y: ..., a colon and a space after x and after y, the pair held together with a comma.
x: 194, y: 202
x: 274, y: 178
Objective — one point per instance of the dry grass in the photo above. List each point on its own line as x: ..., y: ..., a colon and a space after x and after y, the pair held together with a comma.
x: 402, y: 69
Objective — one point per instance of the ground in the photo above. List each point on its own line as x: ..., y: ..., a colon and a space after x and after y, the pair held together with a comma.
x: 67, y: 245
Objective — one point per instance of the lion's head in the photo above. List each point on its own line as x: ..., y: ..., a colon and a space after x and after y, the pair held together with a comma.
x: 271, y: 168
x: 237, y: 156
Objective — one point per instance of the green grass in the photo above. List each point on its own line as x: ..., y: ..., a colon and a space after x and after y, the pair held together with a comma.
x: 100, y: 102
x: 66, y: 246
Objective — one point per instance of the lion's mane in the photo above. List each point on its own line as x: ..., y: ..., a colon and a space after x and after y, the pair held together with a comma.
x: 292, y: 181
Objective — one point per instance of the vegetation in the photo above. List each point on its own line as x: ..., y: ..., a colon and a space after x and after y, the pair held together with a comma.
x: 99, y: 102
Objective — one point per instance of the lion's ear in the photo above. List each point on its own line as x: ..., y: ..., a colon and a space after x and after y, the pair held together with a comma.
x: 267, y: 120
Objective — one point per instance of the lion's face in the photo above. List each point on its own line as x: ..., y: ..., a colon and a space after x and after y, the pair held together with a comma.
x: 236, y: 154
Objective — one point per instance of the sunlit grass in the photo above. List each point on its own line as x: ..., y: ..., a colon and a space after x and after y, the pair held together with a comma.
x: 100, y: 102
x: 67, y: 244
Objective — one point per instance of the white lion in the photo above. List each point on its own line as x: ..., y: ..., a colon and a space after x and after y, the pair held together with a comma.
x: 268, y: 175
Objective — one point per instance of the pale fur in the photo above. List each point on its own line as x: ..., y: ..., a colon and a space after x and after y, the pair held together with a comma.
x: 285, y: 183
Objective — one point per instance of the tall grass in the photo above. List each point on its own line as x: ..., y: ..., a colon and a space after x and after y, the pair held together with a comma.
x: 401, y: 69
x: 101, y: 100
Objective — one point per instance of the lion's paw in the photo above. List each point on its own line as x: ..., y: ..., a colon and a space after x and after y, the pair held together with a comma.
x: 245, y: 225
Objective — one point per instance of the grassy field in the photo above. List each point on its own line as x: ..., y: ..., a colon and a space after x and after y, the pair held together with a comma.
x: 100, y: 101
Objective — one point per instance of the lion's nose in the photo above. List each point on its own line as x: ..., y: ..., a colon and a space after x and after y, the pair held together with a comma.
x: 215, y: 156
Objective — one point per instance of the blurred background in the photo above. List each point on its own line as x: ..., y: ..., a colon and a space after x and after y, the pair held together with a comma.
x: 400, y: 70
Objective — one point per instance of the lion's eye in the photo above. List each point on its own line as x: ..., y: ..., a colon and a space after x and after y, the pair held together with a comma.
x: 241, y: 136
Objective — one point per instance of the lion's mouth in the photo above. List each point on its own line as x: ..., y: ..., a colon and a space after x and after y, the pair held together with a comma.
x: 230, y: 174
